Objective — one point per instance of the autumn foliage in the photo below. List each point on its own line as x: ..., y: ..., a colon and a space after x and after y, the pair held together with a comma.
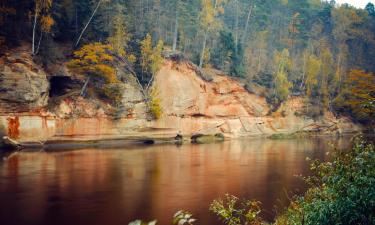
x: 358, y: 96
x: 95, y: 62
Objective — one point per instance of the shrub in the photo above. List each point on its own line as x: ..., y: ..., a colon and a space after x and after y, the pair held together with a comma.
x: 155, y: 104
x: 233, y: 212
x: 342, y: 191
x: 94, y: 61
x: 113, y: 92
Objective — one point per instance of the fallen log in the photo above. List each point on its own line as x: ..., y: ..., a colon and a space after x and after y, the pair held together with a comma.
x: 10, y: 143
x: 13, y: 144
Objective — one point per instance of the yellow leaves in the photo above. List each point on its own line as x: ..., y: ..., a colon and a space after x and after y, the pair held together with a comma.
x: 281, y: 83
x: 146, y: 52
x: 313, y: 69
x: 42, y: 5
x: 131, y: 58
x: 46, y: 23
x: 155, y: 103
x: 107, y: 71
x: 209, y: 13
x: 95, y: 53
x: 94, y: 60
x: 151, y: 58
x: 206, y: 56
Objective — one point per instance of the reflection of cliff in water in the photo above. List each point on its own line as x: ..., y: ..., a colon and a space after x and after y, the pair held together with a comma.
x: 116, y: 186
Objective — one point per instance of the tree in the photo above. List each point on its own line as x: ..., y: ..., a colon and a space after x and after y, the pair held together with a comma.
x: 223, y: 55
x: 119, y: 37
x: 209, y: 21
x: 175, y: 34
x: 151, y: 58
x: 358, y: 96
x: 370, y: 8
x: 94, y: 62
x: 88, y: 22
x: 41, y: 9
x: 327, y: 73
x: 313, y: 69
x: 281, y: 84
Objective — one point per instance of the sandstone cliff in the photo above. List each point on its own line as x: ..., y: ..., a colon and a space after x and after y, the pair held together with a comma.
x: 191, y: 104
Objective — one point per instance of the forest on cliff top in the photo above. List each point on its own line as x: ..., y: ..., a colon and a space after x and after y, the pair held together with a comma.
x: 312, y: 48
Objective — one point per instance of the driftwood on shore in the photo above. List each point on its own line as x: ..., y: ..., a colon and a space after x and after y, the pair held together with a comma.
x: 10, y: 143
x: 13, y: 144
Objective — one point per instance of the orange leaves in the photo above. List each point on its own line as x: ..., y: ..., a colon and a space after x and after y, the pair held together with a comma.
x: 361, y: 85
x: 359, y: 91
x: 46, y: 23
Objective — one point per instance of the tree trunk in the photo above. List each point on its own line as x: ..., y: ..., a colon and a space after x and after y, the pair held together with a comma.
x: 259, y: 60
x: 236, y: 28
x: 39, y: 42
x: 87, y: 24
x: 247, y: 22
x: 175, y: 32
x: 203, y: 49
x: 205, y: 40
x: 304, y: 72
x: 76, y: 20
x: 34, y: 30
x: 84, y: 87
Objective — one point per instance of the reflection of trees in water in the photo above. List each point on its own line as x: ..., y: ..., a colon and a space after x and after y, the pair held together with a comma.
x: 155, y: 181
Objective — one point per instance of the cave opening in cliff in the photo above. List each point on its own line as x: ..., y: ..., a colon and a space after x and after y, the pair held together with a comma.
x: 61, y: 85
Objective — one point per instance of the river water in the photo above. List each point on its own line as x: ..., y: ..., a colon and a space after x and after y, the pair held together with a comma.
x: 115, y: 186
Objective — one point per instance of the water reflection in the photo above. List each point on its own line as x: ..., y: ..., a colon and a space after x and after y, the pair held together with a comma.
x: 114, y: 186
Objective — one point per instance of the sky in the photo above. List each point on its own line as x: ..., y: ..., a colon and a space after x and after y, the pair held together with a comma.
x: 356, y: 3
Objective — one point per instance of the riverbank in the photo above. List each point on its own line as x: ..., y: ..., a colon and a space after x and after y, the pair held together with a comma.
x: 192, y: 101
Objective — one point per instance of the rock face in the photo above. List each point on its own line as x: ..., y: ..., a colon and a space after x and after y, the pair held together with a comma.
x: 191, y: 104
x: 24, y: 85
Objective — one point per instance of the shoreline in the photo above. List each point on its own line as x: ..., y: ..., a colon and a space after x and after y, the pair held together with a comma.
x: 75, y: 143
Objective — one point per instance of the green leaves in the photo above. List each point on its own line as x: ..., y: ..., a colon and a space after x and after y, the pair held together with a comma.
x: 183, y: 218
x: 343, y: 191
x: 234, y: 212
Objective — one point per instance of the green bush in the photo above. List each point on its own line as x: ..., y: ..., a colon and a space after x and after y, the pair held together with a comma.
x: 342, y: 191
x: 233, y: 212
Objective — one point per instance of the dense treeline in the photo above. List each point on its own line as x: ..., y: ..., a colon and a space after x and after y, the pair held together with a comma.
x: 291, y: 47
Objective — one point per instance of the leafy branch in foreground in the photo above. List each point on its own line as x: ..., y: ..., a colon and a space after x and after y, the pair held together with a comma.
x: 342, y: 191
x: 233, y: 212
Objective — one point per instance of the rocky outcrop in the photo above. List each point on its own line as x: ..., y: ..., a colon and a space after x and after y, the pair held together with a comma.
x: 192, y: 105
x: 24, y: 85
x: 194, y: 102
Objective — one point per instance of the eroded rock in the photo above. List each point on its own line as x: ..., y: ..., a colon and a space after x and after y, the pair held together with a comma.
x: 24, y: 85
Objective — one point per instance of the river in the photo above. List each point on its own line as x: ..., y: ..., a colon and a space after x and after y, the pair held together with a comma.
x: 115, y: 186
